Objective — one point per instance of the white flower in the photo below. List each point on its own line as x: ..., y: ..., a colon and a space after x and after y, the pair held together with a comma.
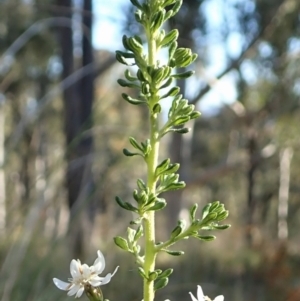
x: 201, y: 297
x: 82, y: 275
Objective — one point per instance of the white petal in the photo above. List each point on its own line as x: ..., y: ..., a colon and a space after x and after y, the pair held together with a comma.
x: 200, y: 294
x: 85, y: 271
x: 106, y: 279
x: 99, y: 263
x: 61, y: 284
x: 73, y: 290
x: 79, y: 292
x: 193, y: 298
x: 219, y: 298
x: 75, y: 266
x: 115, y: 271
x: 95, y: 281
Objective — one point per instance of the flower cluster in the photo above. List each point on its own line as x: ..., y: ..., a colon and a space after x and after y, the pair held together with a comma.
x: 84, y: 276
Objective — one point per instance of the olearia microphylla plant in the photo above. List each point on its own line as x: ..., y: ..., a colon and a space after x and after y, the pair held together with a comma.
x: 155, y: 81
x: 86, y: 279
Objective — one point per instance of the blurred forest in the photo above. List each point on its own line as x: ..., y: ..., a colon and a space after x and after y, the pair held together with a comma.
x: 63, y: 126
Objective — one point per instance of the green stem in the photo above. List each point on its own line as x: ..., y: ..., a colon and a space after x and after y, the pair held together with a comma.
x: 149, y: 220
x: 171, y: 242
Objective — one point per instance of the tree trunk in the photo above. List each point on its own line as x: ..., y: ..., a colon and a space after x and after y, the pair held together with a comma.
x: 283, y: 197
x: 251, y: 201
x: 2, y: 174
x: 78, y: 107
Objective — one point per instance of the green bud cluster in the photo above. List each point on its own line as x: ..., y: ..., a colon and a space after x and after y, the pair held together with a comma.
x: 160, y: 277
x: 130, y: 244
x: 212, y: 214
x: 149, y: 80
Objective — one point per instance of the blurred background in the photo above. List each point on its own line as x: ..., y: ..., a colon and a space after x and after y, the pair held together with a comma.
x: 64, y: 125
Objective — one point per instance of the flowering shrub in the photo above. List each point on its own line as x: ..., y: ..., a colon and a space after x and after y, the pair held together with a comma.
x: 154, y: 81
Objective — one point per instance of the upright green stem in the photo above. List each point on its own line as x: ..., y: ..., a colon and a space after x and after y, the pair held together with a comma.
x: 149, y: 224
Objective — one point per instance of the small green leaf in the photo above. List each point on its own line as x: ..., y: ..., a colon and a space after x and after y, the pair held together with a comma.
x: 179, y: 130
x: 172, y: 92
x: 135, y: 144
x: 160, y: 283
x: 168, y: 2
x: 221, y: 227
x: 176, y: 7
x: 121, y: 203
x: 167, y: 83
x: 181, y: 120
x: 127, y: 153
x: 121, y: 243
x: 169, y: 38
x: 174, y: 253
x: 156, y: 108
x: 175, y: 186
x: 125, y: 42
x: 158, y: 19
x: 222, y: 215
x: 220, y: 209
x: 158, y: 75
x: 165, y: 273
x: 128, y: 76
x: 135, y: 45
x: 183, y: 75
x: 125, y: 205
x: 195, y: 115
x: 136, y: 3
x: 193, y: 211
x: 124, y: 83
x: 136, y: 221
x: 176, y: 231
x: 194, y: 57
x: 153, y: 275
x: 141, y: 198
x: 168, y: 15
x: 214, y: 205
x: 141, y: 184
x: 181, y: 53
x: 139, y: 233
x: 172, y: 49
x: 172, y: 168
x: 158, y: 205
x: 162, y: 167
x: 131, y: 234
x: 139, y: 16
x: 121, y: 59
x: 142, y: 273
x: 206, y: 210
x: 210, y: 217
x: 127, y: 55
x: 133, y: 100
x: 205, y: 237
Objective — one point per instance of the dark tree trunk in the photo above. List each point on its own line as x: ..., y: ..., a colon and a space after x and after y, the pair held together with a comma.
x: 251, y: 201
x: 78, y: 100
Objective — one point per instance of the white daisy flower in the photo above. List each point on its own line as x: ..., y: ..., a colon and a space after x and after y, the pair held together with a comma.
x: 201, y: 297
x: 84, y: 276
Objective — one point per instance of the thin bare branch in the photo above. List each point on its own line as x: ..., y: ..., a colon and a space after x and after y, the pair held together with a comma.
x: 267, y: 30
